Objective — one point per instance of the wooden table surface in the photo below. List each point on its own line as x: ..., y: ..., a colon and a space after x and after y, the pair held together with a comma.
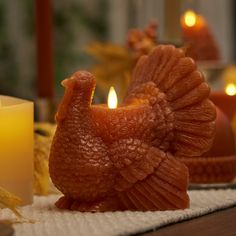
x: 220, y: 223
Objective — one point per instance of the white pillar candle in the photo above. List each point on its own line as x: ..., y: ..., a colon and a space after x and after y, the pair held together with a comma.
x: 16, y: 147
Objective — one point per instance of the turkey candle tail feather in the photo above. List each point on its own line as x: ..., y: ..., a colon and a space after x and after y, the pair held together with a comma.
x: 182, y: 89
x: 105, y: 159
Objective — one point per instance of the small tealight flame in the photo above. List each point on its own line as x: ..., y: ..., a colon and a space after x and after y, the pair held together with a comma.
x: 190, y: 18
x: 230, y: 89
x: 112, y: 98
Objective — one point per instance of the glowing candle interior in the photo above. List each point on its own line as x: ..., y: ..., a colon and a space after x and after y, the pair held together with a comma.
x: 112, y: 99
x: 16, y: 147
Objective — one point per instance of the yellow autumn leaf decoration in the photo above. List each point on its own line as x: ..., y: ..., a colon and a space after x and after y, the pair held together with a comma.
x: 43, y: 138
x: 10, y: 201
x: 114, y: 63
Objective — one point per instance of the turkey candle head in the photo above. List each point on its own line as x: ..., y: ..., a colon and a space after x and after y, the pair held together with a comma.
x: 80, y: 81
x: 79, y: 88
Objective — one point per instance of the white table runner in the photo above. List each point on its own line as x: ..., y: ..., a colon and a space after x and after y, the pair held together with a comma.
x: 50, y: 221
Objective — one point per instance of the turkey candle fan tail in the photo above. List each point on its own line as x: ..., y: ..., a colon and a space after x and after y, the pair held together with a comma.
x: 182, y: 88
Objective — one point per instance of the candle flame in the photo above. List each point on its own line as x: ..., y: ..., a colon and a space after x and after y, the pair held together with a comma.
x: 190, y: 18
x: 230, y: 89
x: 112, y: 98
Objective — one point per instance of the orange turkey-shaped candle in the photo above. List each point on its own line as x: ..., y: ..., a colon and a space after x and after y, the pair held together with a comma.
x: 124, y: 158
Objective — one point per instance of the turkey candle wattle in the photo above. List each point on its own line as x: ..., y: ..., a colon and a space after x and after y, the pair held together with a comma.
x: 16, y: 147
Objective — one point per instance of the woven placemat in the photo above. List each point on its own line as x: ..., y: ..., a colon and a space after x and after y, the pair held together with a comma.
x: 51, y: 221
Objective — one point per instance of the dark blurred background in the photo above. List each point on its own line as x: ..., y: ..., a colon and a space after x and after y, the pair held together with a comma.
x: 76, y: 23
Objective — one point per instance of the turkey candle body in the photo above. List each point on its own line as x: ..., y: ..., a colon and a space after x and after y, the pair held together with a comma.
x: 16, y: 147
x: 124, y: 158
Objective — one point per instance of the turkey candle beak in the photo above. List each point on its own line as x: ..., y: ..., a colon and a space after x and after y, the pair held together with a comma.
x: 112, y: 100
x: 64, y: 83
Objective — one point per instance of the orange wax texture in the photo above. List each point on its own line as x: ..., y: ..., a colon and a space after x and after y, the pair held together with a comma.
x: 219, y: 163
x: 225, y: 102
x: 124, y: 159
x: 198, y: 40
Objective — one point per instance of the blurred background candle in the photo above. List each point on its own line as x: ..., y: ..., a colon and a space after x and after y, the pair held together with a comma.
x: 45, y: 61
x: 45, y: 70
x: 197, y: 37
x: 16, y: 147
x: 226, y: 100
